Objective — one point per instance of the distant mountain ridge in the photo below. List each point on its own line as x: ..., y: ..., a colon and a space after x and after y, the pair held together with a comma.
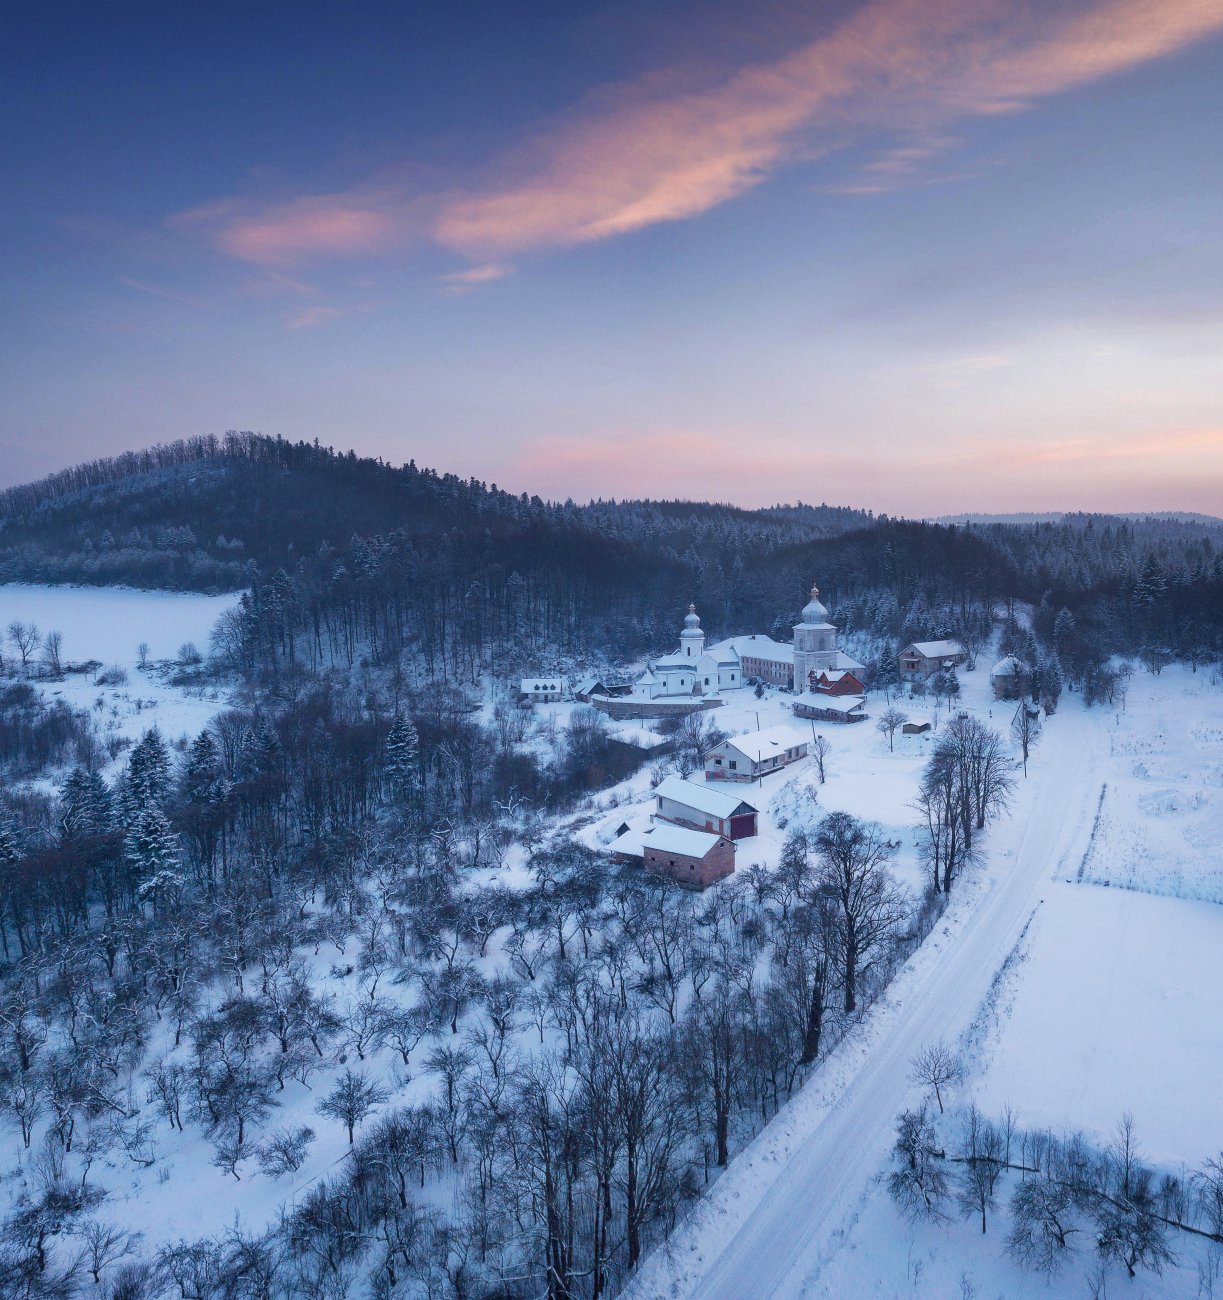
x: 1070, y: 516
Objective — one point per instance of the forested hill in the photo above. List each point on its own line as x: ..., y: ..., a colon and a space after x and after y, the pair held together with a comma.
x: 340, y: 550
x: 210, y: 513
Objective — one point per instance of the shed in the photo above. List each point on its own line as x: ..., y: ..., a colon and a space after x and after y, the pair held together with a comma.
x: 914, y: 728
x: 692, y: 858
x: 832, y: 708
x: 1010, y: 678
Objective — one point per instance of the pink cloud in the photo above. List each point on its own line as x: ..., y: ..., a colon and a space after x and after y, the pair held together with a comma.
x: 894, y: 64
x: 466, y: 280
x: 313, y: 226
x: 637, y: 154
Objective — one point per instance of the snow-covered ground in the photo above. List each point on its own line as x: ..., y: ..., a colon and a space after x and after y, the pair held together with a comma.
x: 1112, y: 1003
x: 107, y: 624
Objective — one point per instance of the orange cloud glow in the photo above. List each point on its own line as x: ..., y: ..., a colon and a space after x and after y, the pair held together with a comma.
x: 632, y: 155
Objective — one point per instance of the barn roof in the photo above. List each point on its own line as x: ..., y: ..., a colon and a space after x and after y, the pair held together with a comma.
x: 665, y: 838
x: 701, y: 796
x: 836, y: 703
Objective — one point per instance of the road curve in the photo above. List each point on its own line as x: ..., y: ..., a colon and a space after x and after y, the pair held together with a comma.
x: 770, y: 1242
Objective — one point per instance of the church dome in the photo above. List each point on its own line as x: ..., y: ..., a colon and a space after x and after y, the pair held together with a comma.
x: 692, y: 621
x: 814, y: 611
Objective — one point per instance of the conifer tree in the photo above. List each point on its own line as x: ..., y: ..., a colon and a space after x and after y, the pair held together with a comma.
x: 85, y: 806
x: 402, y: 751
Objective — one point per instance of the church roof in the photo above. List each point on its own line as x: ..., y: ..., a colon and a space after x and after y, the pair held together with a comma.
x: 814, y: 612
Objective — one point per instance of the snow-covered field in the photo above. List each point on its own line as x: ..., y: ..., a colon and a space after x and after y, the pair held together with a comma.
x: 1112, y: 1002
x: 107, y: 624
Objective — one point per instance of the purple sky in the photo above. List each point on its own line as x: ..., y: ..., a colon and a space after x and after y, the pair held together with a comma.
x: 919, y: 255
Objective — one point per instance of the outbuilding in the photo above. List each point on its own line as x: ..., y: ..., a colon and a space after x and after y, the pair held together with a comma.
x: 920, y: 660
x: 1010, y: 677
x: 701, y: 807
x: 692, y: 858
x: 747, y: 758
x: 832, y: 708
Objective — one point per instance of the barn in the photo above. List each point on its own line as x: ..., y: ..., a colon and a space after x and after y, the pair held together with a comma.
x: 692, y: 858
x: 833, y: 708
x: 700, y: 807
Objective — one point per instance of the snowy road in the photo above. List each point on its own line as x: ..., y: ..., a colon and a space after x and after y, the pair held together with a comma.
x: 779, y: 1209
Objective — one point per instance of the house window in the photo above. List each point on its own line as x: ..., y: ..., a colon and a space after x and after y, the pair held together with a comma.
x: 706, y: 681
x: 733, y: 765
x: 718, y: 762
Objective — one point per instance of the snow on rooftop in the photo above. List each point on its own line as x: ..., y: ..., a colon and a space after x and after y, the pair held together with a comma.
x: 665, y: 838
x: 699, y: 795
x: 836, y: 703
x: 755, y: 646
x: 770, y: 741
x: 937, y: 649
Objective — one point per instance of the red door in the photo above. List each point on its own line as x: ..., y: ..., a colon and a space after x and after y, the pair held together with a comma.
x: 743, y: 826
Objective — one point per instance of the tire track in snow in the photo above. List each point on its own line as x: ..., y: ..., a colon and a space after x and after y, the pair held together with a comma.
x: 785, y: 1202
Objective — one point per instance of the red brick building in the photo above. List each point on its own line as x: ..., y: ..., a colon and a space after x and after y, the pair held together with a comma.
x: 693, y: 858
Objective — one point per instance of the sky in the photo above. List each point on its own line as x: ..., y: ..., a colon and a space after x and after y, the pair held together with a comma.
x: 920, y: 256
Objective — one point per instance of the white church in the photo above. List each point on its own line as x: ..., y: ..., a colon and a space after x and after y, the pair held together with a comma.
x: 697, y: 670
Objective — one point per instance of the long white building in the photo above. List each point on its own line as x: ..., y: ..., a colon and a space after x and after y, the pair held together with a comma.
x: 697, y: 670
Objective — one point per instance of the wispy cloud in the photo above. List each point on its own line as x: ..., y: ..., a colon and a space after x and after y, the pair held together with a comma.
x: 312, y: 317
x: 637, y: 154
x: 473, y: 277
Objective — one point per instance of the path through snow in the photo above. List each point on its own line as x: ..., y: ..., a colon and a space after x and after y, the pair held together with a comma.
x: 773, y: 1217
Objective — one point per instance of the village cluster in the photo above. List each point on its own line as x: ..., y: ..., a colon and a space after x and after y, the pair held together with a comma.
x: 696, y: 823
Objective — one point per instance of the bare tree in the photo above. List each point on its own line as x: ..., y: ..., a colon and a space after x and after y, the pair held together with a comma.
x: 918, y: 1183
x: 351, y: 1100
x: 937, y: 1067
x: 25, y: 638
x: 1042, y: 1224
x: 982, y: 1165
x: 51, y: 650
x: 890, y: 722
x: 820, y: 749
x: 868, y: 907
x: 1025, y: 727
